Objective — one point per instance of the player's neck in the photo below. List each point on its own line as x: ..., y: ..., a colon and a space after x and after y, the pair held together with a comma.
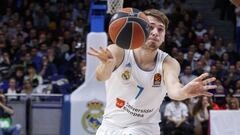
x: 145, y: 56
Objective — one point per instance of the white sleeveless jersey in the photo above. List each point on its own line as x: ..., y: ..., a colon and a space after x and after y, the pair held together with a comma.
x: 134, y: 95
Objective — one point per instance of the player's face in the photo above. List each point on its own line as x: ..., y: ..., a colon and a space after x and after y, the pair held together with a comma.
x: 157, y: 33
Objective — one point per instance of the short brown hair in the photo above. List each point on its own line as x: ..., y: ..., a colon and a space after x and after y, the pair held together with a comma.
x: 159, y: 15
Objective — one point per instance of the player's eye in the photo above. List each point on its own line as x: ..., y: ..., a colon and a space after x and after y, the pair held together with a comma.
x: 151, y: 27
x: 160, y: 29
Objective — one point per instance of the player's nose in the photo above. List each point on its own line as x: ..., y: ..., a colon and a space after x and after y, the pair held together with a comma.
x: 154, y: 32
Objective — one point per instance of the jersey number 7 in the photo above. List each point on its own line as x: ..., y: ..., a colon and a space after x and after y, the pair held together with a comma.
x: 140, y: 91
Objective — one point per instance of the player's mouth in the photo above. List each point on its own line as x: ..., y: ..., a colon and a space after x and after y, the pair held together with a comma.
x: 153, y: 39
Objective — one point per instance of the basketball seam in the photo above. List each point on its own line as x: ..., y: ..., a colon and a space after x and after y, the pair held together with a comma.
x: 124, y: 12
x: 118, y: 19
x: 128, y: 17
x: 121, y: 27
x: 121, y: 30
x: 142, y: 19
x: 142, y: 29
x: 138, y: 15
x: 139, y: 18
x: 144, y: 33
x: 132, y: 36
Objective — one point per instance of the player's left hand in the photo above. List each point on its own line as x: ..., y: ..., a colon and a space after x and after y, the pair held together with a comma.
x: 199, y: 86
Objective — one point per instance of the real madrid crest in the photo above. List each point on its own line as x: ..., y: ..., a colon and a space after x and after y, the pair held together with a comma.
x: 126, y: 75
x: 127, y: 72
x: 157, y: 80
x: 92, y: 119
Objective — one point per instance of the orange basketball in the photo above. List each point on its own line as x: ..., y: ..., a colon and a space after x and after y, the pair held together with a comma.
x: 129, y: 28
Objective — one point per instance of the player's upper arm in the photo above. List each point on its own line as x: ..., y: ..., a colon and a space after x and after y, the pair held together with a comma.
x: 171, y: 71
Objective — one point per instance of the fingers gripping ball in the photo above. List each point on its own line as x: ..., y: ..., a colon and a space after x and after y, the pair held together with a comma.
x: 129, y: 28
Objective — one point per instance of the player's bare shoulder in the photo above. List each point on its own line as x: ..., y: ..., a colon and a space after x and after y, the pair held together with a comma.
x: 170, y: 62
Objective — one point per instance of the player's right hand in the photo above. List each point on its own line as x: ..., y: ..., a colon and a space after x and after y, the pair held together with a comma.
x: 103, y: 54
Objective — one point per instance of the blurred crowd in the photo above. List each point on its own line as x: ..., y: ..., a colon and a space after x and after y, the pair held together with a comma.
x: 42, y: 45
x: 43, y: 50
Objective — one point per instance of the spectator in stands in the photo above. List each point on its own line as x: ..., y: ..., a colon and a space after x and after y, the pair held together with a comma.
x: 12, y: 89
x: 40, y: 19
x: 187, y: 75
x: 167, y: 7
x: 220, y: 70
x: 199, y: 69
x: 201, y: 114
x: 230, y: 76
x: 200, y: 31
x: 232, y: 52
x: 6, y: 126
x: 2, y: 40
x: 60, y: 46
x: 36, y: 59
x: 200, y: 48
x: 42, y: 47
x: 238, y: 66
x: 35, y: 79
x: 48, y: 69
x: 176, y: 114
x: 225, y: 60
x: 78, y: 75
x: 213, y: 54
x: 237, y: 87
x: 213, y: 71
x: 183, y: 62
x: 53, y: 56
x: 27, y: 87
x: 207, y: 61
x: 189, y: 58
x: 220, y: 103
x: 18, y: 75
x: 220, y: 89
x: 26, y: 59
x: 206, y: 41
x: 189, y: 39
x: 233, y: 104
x: 219, y: 46
x: 212, y: 33
x: 5, y: 64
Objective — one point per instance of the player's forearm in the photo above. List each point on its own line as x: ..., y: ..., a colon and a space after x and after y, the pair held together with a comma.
x: 175, y: 91
x: 171, y: 73
x: 104, y: 71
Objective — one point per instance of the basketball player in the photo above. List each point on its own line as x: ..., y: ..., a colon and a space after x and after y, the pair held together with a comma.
x: 138, y: 80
